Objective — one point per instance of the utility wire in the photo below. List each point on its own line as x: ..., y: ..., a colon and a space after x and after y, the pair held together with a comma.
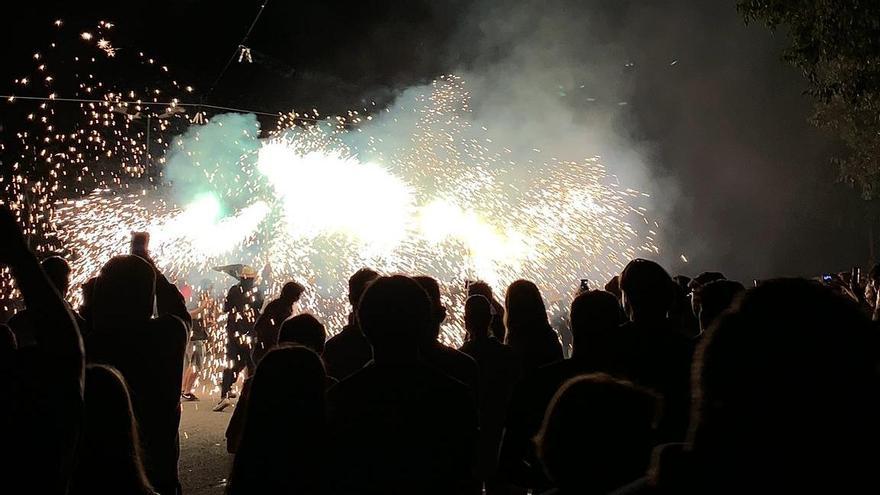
x: 12, y: 98
x: 235, y: 52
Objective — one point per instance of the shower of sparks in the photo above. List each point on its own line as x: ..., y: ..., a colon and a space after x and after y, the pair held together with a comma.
x: 447, y: 201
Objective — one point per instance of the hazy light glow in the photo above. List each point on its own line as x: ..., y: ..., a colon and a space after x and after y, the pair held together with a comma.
x: 324, y: 192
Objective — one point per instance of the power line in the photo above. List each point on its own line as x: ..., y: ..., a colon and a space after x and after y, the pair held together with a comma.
x: 163, y: 103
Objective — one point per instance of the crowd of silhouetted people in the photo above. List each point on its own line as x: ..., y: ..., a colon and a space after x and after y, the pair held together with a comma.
x: 665, y: 385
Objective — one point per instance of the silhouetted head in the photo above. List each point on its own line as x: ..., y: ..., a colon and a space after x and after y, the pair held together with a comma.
x: 613, y: 286
x: 88, y: 291
x: 480, y: 288
x: 438, y: 310
x: 714, y: 298
x: 58, y: 271
x: 684, y: 282
x: 124, y: 292
x: 248, y: 273
x: 305, y: 330
x: 700, y: 280
x: 284, y: 425
x: 707, y: 277
x: 291, y: 292
x: 395, y: 314
x: 477, y: 316
x: 287, y: 389
x: 247, y: 283
x: 358, y: 283
x: 647, y: 290
x: 108, y: 456
x: 86, y: 309
x: 524, y: 306
x: 785, y: 388
x: 594, y: 312
x: 597, y: 434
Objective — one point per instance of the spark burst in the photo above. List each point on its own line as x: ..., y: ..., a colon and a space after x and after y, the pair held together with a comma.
x: 322, y: 199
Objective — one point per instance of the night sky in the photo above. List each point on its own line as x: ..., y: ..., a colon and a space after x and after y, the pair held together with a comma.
x: 741, y: 181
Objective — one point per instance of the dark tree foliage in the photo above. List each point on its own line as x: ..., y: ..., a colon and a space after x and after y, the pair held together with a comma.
x: 836, y: 43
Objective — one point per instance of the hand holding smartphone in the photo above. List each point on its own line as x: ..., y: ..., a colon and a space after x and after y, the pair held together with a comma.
x: 140, y: 243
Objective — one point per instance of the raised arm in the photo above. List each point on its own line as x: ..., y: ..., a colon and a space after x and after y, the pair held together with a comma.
x: 51, y: 406
x: 55, y: 327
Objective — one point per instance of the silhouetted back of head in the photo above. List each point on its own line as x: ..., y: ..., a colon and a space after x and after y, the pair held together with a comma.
x: 108, y: 458
x: 305, y: 330
x: 358, y: 282
x: 284, y: 425
x: 714, y: 298
x: 597, y: 434
x: 438, y: 311
x: 88, y: 291
x: 647, y: 290
x: 431, y: 287
x: 477, y: 316
x: 593, y: 312
x: 480, y: 288
x: 58, y: 271
x: 524, y: 306
x: 613, y: 286
x: 683, y: 281
x: 124, y: 291
x: 287, y: 391
x: 705, y: 278
x: 394, y: 314
x: 786, y: 388
x: 291, y: 292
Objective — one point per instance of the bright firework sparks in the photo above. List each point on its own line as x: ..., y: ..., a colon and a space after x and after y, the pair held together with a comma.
x: 316, y: 205
x: 313, y: 211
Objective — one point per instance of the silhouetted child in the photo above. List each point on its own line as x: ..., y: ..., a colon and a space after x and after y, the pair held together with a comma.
x: 304, y: 330
x: 283, y: 440
x: 597, y: 434
x: 109, y: 455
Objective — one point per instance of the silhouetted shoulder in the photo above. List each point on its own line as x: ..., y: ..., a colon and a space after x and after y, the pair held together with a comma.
x: 454, y: 364
x: 346, y: 352
x: 170, y: 326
